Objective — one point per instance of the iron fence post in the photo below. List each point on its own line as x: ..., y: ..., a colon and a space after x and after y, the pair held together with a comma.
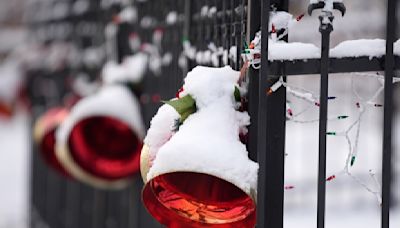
x: 271, y: 139
x: 325, y: 30
x: 388, y: 114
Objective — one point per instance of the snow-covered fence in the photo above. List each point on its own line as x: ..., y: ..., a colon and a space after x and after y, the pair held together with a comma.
x: 177, y: 35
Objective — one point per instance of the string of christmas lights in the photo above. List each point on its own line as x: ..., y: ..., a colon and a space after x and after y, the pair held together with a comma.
x: 362, y: 105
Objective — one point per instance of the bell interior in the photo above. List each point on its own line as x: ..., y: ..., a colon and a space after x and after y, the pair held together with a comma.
x: 188, y: 199
x: 105, y: 147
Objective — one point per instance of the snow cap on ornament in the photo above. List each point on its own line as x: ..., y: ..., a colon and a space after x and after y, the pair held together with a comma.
x: 100, y: 141
x: 195, y: 168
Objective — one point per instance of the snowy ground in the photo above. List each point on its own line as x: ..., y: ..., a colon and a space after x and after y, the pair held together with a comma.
x: 14, y: 171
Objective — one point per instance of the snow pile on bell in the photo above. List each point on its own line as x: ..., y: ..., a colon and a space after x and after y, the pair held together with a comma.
x: 204, y: 139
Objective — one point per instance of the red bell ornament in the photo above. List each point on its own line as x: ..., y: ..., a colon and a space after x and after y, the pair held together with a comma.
x: 44, y: 135
x: 100, y: 142
x: 196, y: 170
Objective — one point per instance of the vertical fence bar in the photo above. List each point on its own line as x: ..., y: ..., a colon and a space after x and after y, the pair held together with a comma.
x: 253, y: 25
x: 271, y: 139
x: 323, y: 113
x: 72, y: 199
x: 388, y: 114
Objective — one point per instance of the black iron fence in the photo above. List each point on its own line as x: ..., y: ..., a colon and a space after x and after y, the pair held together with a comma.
x: 223, y: 28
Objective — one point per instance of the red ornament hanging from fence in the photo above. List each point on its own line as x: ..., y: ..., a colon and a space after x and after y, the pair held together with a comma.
x: 100, y: 142
x: 195, y: 168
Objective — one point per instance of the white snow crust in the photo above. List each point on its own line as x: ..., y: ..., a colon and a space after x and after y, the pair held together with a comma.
x: 281, y: 50
x: 356, y: 48
x: 162, y: 128
x: 280, y: 20
x: 371, y: 48
x: 132, y: 69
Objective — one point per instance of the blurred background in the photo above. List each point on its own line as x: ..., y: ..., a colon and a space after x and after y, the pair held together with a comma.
x: 26, y: 38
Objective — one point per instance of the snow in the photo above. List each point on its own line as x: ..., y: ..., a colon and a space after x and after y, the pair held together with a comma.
x: 205, y: 84
x: 10, y: 80
x: 129, y: 14
x: 147, y: 21
x: 281, y: 50
x: 189, y: 50
x: 81, y: 6
x: 163, y: 124
x: 396, y: 47
x: 208, y: 141
x: 357, y: 48
x: 14, y: 171
x: 371, y: 48
x: 132, y: 69
x: 82, y: 85
x: 58, y: 54
x: 93, y: 56
x: 280, y: 20
x: 171, y: 18
x: 233, y: 53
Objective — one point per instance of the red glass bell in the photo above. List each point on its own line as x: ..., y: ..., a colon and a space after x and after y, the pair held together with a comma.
x: 188, y: 199
x: 195, y: 169
x: 105, y: 147
x: 100, y: 141
x: 44, y: 134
